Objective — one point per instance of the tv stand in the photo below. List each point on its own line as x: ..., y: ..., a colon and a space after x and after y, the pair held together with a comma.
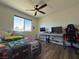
x: 51, y: 37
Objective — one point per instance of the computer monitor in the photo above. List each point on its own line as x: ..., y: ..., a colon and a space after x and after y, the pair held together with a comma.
x: 56, y: 29
x: 42, y: 29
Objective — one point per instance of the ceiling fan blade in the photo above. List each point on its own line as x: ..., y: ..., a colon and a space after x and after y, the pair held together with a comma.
x: 35, y: 13
x: 42, y: 6
x: 42, y: 12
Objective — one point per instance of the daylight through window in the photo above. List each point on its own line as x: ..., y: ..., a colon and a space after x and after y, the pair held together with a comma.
x: 22, y: 24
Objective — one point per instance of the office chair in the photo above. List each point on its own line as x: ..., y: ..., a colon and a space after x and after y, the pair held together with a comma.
x: 71, y: 34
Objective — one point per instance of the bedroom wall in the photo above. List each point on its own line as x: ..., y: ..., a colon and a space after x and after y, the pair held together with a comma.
x: 6, y: 20
x: 62, y: 18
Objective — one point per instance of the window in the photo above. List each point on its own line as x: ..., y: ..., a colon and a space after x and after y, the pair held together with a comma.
x: 22, y: 24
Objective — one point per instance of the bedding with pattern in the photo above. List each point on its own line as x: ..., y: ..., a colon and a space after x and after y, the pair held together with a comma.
x: 22, y: 44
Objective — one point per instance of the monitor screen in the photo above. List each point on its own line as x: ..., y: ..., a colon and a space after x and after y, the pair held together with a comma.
x: 42, y: 29
x: 56, y: 29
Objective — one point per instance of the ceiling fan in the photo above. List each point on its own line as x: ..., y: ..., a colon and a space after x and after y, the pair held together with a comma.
x: 37, y: 9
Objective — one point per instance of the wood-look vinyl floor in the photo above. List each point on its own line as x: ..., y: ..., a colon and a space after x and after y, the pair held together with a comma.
x: 53, y: 51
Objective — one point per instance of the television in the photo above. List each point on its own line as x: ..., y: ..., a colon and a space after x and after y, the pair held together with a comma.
x: 42, y: 29
x: 56, y: 29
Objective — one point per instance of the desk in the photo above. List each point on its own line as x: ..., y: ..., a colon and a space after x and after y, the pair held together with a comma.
x: 51, y: 37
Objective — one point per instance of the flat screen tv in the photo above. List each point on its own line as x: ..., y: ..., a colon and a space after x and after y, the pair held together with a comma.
x: 56, y: 29
x: 42, y: 29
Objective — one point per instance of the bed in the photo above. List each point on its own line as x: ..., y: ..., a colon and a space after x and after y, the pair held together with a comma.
x: 17, y: 49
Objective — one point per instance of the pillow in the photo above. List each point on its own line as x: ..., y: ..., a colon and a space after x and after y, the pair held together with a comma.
x: 13, y: 37
x: 1, y: 39
x: 2, y: 45
x: 4, y: 33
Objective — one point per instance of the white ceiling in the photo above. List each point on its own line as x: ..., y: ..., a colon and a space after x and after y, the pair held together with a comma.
x: 53, y: 5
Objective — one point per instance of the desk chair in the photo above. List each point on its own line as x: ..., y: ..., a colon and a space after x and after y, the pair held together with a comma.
x: 70, y: 36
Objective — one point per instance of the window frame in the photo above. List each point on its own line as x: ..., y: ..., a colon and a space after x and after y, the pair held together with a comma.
x: 24, y: 23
